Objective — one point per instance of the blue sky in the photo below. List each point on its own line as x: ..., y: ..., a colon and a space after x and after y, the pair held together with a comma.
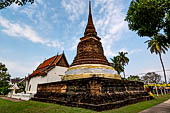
x: 33, y: 33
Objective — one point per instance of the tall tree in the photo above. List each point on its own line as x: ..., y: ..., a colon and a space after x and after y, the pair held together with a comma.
x: 6, y: 3
x: 123, y: 60
x: 151, y: 77
x: 4, y: 79
x: 149, y: 17
x: 158, y: 46
x: 116, y: 64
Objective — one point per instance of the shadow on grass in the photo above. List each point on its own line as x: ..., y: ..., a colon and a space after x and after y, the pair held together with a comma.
x: 40, y: 107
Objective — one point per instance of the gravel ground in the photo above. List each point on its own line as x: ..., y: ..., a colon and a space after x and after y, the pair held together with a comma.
x: 11, y: 99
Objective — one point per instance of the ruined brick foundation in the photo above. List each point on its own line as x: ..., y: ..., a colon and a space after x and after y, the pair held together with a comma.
x: 94, y: 93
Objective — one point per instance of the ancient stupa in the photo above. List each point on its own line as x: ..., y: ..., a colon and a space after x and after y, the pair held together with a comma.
x: 90, y: 60
x: 90, y: 82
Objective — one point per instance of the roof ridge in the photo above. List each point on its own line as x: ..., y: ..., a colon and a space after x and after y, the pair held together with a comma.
x: 53, y: 59
x: 59, y: 58
x: 44, y: 62
x: 48, y: 66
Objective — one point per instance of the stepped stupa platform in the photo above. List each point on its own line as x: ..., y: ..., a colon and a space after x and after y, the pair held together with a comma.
x: 90, y: 82
x: 94, y: 93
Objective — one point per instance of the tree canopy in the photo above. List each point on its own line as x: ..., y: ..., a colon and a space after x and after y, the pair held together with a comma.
x: 151, y: 77
x: 6, y: 3
x: 149, y: 17
x: 158, y: 45
x: 123, y: 60
x: 119, y: 62
x: 134, y: 78
x: 116, y: 64
x: 4, y: 79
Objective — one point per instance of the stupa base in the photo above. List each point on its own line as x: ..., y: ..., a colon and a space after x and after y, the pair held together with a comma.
x: 90, y: 70
x: 94, y: 93
x: 90, y: 75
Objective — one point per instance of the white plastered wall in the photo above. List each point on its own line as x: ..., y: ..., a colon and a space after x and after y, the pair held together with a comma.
x: 52, y: 76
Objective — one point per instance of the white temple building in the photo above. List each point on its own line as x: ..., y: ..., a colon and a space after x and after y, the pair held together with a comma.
x: 48, y: 71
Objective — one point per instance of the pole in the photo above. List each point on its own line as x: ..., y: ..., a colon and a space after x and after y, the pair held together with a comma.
x: 156, y: 91
x: 161, y: 91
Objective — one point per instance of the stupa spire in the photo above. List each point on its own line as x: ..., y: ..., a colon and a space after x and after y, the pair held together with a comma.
x: 90, y: 29
x: 89, y: 49
x: 89, y: 7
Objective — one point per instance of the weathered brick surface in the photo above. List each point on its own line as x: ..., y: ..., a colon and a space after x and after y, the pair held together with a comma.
x: 90, y: 51
x: 92, y: 93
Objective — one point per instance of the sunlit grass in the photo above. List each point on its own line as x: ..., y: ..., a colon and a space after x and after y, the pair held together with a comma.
x: 7, y: 106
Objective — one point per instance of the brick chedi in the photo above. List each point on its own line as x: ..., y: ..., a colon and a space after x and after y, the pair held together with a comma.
x: 90, y: 82
x: 90, y: 60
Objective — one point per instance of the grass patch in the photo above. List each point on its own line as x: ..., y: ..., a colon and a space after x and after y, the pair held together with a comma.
x: 7, y: 106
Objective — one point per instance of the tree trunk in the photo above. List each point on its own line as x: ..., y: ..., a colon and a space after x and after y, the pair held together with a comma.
x: 124, y: 74
x: 162, y: 66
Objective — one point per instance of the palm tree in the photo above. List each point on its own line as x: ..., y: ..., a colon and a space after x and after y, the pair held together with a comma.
x: 116, y: 64
x: 158, y: 45
x: 123, y: 60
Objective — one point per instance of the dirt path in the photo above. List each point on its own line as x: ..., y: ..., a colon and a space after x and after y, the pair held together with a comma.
x: 11, y: 99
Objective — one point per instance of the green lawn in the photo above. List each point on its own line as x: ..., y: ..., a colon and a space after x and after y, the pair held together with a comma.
x: 7, y: 106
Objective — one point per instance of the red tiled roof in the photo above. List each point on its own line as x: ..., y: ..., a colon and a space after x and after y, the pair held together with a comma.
x: 56, y: 60
x: 47, y: 62
x: 44, y: 67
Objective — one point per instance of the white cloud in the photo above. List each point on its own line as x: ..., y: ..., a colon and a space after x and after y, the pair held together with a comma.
x: 15, y: 6
x: 109, y: 52
x: 54, y: 18
x: 110, y: 23
x: 30, y: 11
x: 123, y: 50
x: 130, y: 52
x: 83, y: 23
x: 134, y: 51
x: 75, y: 43
x: 36, y: 12
x: 74, y: 8
x: 43, y: 15
x: 40, y: 2
x: 26, y: 32
x: 18, y: 68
